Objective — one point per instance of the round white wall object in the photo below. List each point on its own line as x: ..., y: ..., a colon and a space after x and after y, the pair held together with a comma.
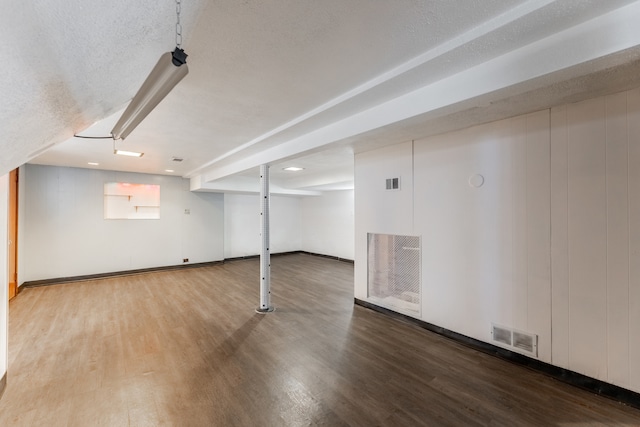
x: 476, y: 180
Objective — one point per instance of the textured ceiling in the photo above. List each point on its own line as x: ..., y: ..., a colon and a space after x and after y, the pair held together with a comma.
x: 280, y: 81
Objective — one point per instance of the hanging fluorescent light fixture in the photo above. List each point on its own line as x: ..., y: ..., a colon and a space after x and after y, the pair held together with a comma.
x: 170, y: 69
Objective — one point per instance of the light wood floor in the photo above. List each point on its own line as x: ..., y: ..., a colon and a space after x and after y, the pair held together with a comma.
x: 185, y: 348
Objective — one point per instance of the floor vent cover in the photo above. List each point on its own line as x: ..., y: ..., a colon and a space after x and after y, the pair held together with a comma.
x: 393, y: 276
x: 522, y: 342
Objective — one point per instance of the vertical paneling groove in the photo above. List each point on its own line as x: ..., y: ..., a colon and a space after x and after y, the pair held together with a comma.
x: 519, y: 222
x: 537, y: 230
x: 629, y: 118
x: 525, y: 224
x: 559, y: 238
x: 413, y: 187
x: 595, y: 238
x: 587, y: 237
x: 629, y: 256
x: 633, y: 121
x: 617, y: 240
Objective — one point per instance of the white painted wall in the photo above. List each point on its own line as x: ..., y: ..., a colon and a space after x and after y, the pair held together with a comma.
x: 242, y: 224
x: 64, y: 232
x: 486, y: 250
x: 376, y: 209
x: 328, y: 224
x: 4, y: 274
x: 596, y: 237
x: 550, y: 244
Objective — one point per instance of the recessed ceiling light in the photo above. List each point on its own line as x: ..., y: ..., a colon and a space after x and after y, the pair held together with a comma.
x: 293, y: 169
x: 93, y: 163
x: 169, y: 170
x: 128, y: 153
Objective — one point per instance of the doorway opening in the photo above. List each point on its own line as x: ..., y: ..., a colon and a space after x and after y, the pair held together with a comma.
x: 13, y: 233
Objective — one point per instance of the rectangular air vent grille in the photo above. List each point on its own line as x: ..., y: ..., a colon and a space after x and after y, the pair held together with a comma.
x: 522, y: 342
x: 502, y: 335
x: 393, y: 183
x: 393, y: 271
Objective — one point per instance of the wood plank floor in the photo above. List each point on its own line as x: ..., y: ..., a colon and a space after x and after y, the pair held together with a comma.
x: 185, y: 348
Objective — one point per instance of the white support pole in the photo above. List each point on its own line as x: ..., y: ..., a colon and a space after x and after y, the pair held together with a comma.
x: 265, y: 253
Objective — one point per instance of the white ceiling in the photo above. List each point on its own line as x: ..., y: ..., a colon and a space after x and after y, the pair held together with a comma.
x: 294, y: 81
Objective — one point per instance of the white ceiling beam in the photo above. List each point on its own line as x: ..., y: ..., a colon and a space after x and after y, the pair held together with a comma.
x: 245, y: 185
x: 608, y: 34
x: 485, y: 28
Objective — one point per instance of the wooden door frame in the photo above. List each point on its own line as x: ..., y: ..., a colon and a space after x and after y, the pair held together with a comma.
x: 13, y: 233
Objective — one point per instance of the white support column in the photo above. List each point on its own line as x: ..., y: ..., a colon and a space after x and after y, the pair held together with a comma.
x: 265, y: 253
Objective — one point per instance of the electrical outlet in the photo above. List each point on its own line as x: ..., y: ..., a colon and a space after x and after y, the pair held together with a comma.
x: 185, y: 259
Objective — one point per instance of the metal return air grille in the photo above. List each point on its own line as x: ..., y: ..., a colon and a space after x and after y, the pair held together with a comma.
x: 522, y: 342
x: 393, y: 264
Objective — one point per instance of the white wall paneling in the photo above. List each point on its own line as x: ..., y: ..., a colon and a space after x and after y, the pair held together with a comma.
x: 463, y: 255
x: 617, y: 257
x: 633, y: 121
x: 587, y: 237
x: 518, y: 244
x: 596, y: 218
x: 327, y: 224
x: 538, y: 231
x: 486, y: 248
x: 559, y: 237
x: 64, y: 232
x: 548, y: 244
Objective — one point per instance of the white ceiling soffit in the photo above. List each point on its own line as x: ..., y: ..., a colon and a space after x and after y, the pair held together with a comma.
x: 426, y: 88
x: 271, y: 81
x: 328, y: 170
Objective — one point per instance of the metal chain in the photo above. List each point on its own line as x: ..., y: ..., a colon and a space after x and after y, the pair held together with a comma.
x: 178, y: 24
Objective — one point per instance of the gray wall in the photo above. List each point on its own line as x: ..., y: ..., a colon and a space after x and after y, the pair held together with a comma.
x: 242, y: 224
x: 327, y: 224
x: 318, y: 224
x: 64, y: 233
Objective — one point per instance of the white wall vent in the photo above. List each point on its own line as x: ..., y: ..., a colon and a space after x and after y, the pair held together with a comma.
x: 393, y: 183
x: 501, y: 335
x: 393, y: 272
x: 522, y: 342
x: 525, y: 342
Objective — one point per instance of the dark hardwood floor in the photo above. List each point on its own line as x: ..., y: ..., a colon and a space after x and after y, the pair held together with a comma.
x: 185, y: 348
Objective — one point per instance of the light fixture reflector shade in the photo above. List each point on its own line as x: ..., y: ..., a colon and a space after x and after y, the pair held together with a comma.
x: 164, y: 76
